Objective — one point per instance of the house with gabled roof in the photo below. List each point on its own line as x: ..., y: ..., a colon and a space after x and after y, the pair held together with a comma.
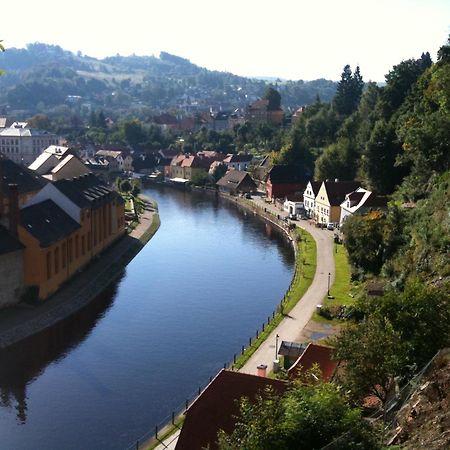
x: 236, y: 181
x: 65, y: 225
x: 217, y: 407
x: 329, y: 198
x: 238, y: 162
x: 361, y: 201
x: 27, y: 185
x: 309, y: 197
x: 283, y: 180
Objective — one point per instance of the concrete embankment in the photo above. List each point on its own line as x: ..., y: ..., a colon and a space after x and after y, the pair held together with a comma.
x: 22, y: 321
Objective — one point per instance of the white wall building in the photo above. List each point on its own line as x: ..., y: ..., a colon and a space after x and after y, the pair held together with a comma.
x: 23, y: 145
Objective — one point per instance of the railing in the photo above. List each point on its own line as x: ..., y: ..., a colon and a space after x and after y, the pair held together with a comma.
x: 163, y: 429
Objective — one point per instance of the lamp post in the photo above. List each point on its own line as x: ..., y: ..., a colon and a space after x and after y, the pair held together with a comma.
x: 328, y: 290
x: 276, y: 346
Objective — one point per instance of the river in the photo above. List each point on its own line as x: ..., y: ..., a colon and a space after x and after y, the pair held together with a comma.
x: 186, y: 303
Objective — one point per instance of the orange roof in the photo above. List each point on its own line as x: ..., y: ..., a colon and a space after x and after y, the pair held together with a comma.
x: 315, y: 354
x: 215, y: 409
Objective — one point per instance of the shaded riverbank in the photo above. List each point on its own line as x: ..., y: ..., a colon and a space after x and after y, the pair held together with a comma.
x: 25, y: 320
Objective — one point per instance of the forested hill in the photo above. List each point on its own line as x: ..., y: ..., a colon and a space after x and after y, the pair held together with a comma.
x: 43, y: 77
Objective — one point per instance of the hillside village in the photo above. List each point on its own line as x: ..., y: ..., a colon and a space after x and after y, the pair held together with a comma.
x: 371, y: 166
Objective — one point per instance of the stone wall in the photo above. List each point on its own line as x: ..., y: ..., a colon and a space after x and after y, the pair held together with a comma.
x: 11, y: 278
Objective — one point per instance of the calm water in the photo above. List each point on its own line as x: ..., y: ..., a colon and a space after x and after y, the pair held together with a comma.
x: 184, y: 305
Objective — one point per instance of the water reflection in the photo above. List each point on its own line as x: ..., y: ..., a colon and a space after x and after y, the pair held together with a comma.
x: 25, y: 361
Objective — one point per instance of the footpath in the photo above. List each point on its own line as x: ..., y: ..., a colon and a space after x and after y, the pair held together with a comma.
x: 25, y: 320
x: 293, y: 326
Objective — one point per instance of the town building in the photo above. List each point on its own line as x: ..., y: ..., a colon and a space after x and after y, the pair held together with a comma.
x: 259, y: 112
x: 23, y: 144
x: 56, y: 163
x: 309, y: 197
x: 187, y: 166
x: 238, y: 162
x: 329, y: 198
x: 217, y: 408
x: 118, y: 160
x: 11, y: 268
x: 17, y: 185
x: 293, y: 204
x: 236, y: 182
x: 64, y: 226
x: 283, y: 180
x: 361, y: 201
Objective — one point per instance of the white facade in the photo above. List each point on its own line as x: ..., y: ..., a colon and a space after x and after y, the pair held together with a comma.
x: 309, y: 199
x: 23, y: 145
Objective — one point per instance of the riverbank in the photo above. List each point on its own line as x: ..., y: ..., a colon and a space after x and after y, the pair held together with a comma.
x: 24, y: 320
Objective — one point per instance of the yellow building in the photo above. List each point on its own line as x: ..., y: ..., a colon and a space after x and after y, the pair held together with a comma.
x: 64, y: 226
x: 329, y: 198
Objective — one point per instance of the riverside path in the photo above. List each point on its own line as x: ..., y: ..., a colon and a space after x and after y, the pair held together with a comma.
x: 290, y: 329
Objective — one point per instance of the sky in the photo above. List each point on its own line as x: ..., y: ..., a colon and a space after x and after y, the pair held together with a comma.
x: 289, y: 39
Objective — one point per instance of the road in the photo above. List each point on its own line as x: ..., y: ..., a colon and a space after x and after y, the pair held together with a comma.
x: 290, y: 329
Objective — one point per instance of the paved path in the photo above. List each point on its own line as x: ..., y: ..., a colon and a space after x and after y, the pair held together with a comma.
x: 290, y: 329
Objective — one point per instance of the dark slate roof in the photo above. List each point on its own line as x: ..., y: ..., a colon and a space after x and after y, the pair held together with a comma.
x: 12, y: 173
x: 86, y: 191
x: 216, y: 408
x: 238, y: 158
x: 47, y: 222
x: 315, y: 186
x: 337, y: 190
x: 286, y: 174
x: 8, y: 243
x: 233, y: 178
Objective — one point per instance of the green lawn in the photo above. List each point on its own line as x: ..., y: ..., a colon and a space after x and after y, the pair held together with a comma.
x: 342, y: 290
x: 305, y: 269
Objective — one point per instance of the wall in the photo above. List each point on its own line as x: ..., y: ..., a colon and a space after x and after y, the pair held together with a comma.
x: 11, y: 277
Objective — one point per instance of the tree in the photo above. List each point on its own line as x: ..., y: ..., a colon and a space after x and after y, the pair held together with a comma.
x: 274, y: 98
x: 348, y: 91
x: 2, y: 49
x: 306, y: 417
x: 125, y: 186
x: 364, y: 241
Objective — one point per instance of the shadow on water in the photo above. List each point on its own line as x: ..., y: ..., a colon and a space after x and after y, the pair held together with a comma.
x: 23, y: 362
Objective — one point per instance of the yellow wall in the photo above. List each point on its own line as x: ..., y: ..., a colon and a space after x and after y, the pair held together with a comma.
x: 99, y: 228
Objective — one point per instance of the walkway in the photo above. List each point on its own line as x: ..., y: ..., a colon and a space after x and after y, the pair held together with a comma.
x: 23, y: 320
x: 290, y: 329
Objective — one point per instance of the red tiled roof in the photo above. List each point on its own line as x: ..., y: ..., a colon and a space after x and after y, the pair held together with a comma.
x: 315, y: 354
x: 215, y: 409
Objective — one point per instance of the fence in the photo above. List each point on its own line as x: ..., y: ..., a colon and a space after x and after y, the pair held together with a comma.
x: 163, y: 429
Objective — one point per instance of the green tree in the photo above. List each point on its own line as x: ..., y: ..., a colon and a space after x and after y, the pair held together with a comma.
x: 274, y: 98
x: 348, y: 91
x: 125, y: 186
x: 307, y: 416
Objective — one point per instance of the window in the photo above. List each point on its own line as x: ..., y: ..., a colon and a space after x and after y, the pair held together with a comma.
x: 77, y: 250
x: 64, y: 255
x: 56, y: 260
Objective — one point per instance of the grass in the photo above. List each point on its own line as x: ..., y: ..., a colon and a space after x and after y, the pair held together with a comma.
x: 342, y: 290
x: 305, y: 269
x: 171, y: 429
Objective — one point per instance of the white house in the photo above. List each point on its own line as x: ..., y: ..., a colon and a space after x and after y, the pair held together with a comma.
x: 293, y: 204
x: 22, y: 144
x: 309, y: 197
x: 361, y: 201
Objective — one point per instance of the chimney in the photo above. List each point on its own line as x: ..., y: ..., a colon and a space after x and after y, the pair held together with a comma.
x: 262, y: 369
x: 13, y: 201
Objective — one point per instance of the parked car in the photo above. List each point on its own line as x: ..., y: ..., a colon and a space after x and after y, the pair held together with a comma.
x: 293, y: 216
x: 331, y: 225
x: 248, y: 195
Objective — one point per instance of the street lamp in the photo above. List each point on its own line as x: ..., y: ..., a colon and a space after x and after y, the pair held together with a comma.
x: 329, y: 276
x: 276, y: 346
